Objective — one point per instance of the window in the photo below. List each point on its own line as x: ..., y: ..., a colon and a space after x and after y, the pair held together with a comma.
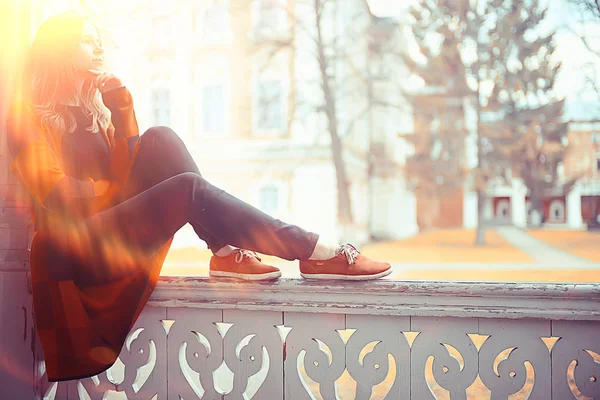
x: 597, y: 162
x: 212, y: 22
x: 557, y: 210
x: 269, y: 109
x: 213, y: 109
x: 595, y: 137
x: 270, y: 15
x: 162, y: 32
x: 161, y: 107
x: 268, y: 199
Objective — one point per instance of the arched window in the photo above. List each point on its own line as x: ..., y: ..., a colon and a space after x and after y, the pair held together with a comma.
x: 161, y: 106
x: 213, y: 105
x: 268, y: 199
x: 269, y: 16
x: 162, y: 31
x: 557, y: 210
x: 503, y: 210
x: 270, y: 95
x: 212, y: 22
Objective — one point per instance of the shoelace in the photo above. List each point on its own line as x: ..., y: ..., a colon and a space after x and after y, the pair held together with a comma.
x: 240, y: 254
x: 350, y: 252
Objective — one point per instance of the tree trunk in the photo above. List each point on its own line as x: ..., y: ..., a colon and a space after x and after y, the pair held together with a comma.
x: 481, y: 195
x: 536, y: 207
x: 480, y: 235
x: 343, y: 194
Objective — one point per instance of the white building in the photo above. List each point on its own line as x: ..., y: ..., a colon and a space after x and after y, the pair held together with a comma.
x: 250, y: 117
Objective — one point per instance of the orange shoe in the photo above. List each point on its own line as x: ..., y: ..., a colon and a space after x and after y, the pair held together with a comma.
x: 242, y: 264
x: 348, y: 264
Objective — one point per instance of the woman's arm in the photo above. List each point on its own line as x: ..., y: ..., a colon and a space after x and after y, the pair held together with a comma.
x: 37, y: 166
x: 126, y: 132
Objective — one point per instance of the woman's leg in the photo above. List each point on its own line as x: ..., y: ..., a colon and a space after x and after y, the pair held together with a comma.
x: 161, y: 155
x: 154, y: 215
x: 140, y: 226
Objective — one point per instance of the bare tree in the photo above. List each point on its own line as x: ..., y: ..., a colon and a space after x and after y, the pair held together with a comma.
x: 334, y: 39
x: 453, y: 37
x: 586, y: 16
x: 591, y: 6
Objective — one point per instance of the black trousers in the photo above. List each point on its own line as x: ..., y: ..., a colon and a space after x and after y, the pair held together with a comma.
x: 165, y: 190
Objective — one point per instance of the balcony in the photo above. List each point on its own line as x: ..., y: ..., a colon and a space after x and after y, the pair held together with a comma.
x: 293, y: 339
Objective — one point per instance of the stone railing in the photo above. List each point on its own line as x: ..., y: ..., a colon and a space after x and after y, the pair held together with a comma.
x: 294, y: 339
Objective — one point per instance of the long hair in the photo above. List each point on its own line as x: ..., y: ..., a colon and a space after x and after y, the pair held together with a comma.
x: 49, y: 75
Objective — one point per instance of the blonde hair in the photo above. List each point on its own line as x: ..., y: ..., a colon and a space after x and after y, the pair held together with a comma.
x: 49, y: 75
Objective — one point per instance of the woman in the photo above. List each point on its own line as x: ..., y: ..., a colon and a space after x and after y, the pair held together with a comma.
x: 106, y: 203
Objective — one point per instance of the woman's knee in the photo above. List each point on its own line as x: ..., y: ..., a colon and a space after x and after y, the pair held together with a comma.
x: 184, y: 188
x: 164, y: 141
x: 160, y: 133
x: 189, y: 180
x: 189, y: 177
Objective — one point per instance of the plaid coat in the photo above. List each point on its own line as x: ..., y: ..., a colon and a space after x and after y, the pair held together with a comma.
x: 81, y: 328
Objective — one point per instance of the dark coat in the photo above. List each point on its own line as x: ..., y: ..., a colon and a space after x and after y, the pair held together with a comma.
x: 82, y: 328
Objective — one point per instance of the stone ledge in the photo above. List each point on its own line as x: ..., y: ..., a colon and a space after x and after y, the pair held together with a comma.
x: 550, y: 301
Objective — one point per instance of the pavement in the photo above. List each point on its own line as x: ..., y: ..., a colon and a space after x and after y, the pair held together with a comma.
x: 543, y: 253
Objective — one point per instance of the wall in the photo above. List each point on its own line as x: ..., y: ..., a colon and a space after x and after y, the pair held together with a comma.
x: 579, y: 159
x: 444, y: 211
x: 590, y: 206
x: 18, y: 340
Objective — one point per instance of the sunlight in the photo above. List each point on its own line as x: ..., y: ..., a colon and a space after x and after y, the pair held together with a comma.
x: 456, y: 143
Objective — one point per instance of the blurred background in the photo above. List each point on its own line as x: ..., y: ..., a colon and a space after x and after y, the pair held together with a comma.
x: 458, y: 139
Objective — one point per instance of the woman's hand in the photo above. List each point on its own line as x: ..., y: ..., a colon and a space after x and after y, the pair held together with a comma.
x: 105, y: 81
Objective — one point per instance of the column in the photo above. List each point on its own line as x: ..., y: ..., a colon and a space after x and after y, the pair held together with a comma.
x: 469, y: 209
x: 518, y: 206
x: 573, y: 199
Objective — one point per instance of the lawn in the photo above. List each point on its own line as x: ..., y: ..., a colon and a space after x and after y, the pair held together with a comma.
x: 448, y: 246
x: 442, y: 246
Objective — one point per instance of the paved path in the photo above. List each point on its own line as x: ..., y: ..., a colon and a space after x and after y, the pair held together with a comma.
x: 543, y: 253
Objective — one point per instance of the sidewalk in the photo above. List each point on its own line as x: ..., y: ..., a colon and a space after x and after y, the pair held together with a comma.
x: 580, y: 243
x: 448, y: 246
x: 547, y: 255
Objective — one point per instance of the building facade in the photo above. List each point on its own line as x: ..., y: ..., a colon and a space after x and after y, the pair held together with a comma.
x: 239, y: 81
x: 576, y: 208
